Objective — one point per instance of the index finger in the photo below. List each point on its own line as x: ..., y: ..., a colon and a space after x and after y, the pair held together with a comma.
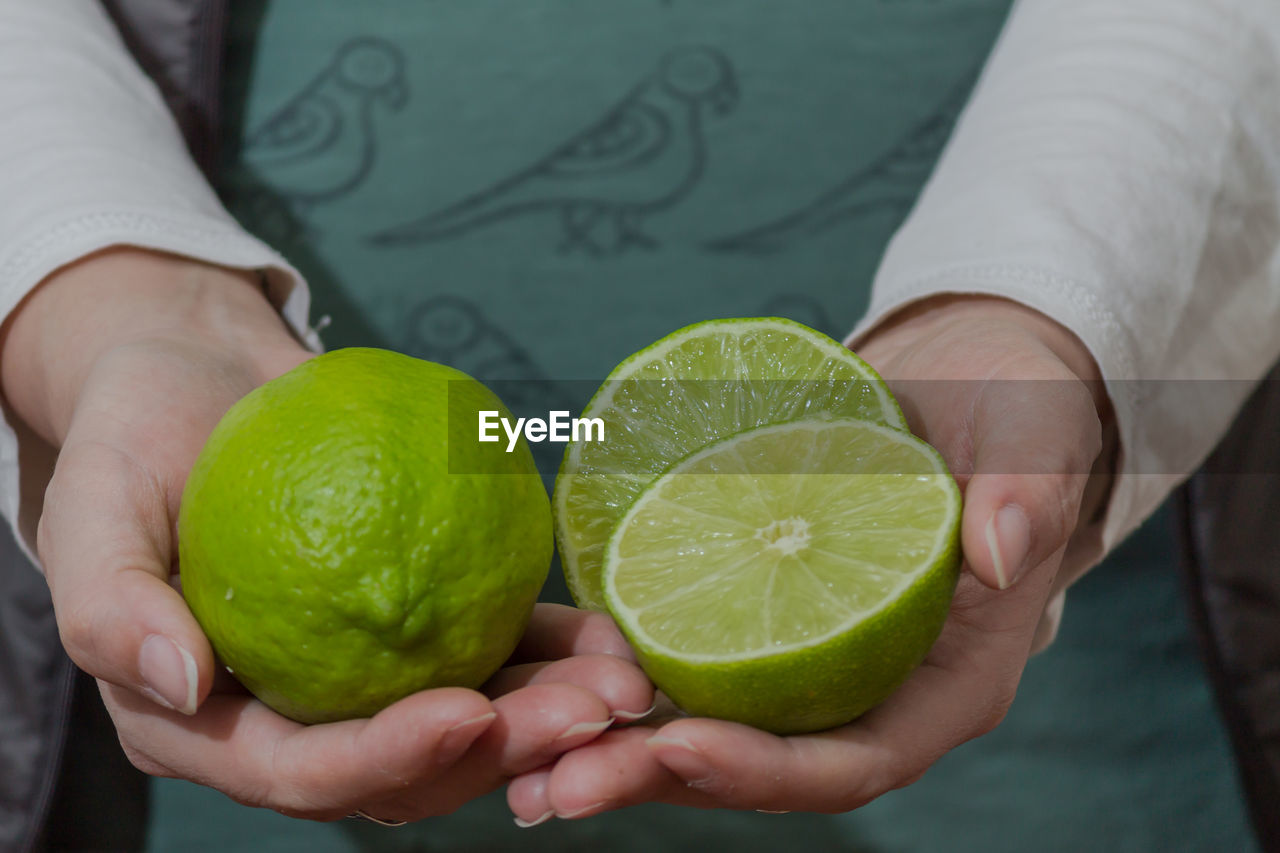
x: 105, y: 543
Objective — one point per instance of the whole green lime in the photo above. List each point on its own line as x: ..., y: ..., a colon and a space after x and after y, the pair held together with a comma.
x: 345, y: 539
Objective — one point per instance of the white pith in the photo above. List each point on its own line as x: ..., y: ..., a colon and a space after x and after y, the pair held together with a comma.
x: 787, y: 536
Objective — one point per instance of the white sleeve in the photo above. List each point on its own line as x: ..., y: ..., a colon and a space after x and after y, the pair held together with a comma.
x: 1118, y: 169
x: 90, y: 157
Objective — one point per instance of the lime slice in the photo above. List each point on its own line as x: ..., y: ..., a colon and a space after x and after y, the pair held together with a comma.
x: 693, y: 387
x: 789, y: 577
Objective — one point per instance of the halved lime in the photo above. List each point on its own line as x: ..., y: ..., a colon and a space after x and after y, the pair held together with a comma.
x: 789, y: 577
x: 693, y: 387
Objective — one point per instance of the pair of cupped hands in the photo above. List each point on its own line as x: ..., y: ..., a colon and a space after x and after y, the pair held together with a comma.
x: 127, y: 359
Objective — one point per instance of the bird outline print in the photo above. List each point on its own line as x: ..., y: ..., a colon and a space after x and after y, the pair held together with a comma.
x: 890, y: 182
x: 322, y: 144
x: 644, y: 156
x: 452, y: 330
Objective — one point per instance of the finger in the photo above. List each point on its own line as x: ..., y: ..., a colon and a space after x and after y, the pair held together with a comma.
x: 744, y: 768
x: 615, y: 770
x: 538, y: 722
x: 1035, y: 442
x: 533, y: 726
x: 556, y: 631
x: 623, y: 687
x: 257, y: 757
x: 105, y: 540
x: 527, y: 795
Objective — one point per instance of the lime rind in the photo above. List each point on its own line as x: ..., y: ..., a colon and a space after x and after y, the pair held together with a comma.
x: 603, y: 398
x: 584, y: 584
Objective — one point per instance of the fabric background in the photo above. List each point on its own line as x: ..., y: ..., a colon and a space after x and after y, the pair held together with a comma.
x: 515, y: 190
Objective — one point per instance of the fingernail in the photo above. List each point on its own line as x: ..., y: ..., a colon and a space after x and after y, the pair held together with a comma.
x: 631, y: 716
x: 579, y: 812
x: 682, y: 759
x: 540, y: 819
x: 169, y: 672
x: 1009, y: 540
x: 459, y: 737
x: 578, y: 729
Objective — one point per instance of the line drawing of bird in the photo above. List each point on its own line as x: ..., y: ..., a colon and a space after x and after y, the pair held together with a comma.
x: 322, y: 143
x: 891, y: 182
x: 452, y: 330
x: 644, y: 156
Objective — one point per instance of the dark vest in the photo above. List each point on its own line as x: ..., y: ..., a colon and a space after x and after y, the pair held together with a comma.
x: 57, y: 738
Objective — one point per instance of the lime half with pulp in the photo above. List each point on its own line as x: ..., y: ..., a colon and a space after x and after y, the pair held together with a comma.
x: 789, y: 577
x: 696, y: 386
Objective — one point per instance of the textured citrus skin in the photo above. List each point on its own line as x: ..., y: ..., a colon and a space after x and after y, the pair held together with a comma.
x: 338, y: 555
x: 582, y: 544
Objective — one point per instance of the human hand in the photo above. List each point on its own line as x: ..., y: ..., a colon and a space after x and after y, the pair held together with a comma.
x: 126, y: 361
x: 1015, y: 405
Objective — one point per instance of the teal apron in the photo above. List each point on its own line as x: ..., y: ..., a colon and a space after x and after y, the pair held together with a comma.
x: 532, y: 191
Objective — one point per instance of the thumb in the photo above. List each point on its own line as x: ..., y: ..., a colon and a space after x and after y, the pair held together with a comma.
x: 106, y: 544
x: 1034, y: 444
